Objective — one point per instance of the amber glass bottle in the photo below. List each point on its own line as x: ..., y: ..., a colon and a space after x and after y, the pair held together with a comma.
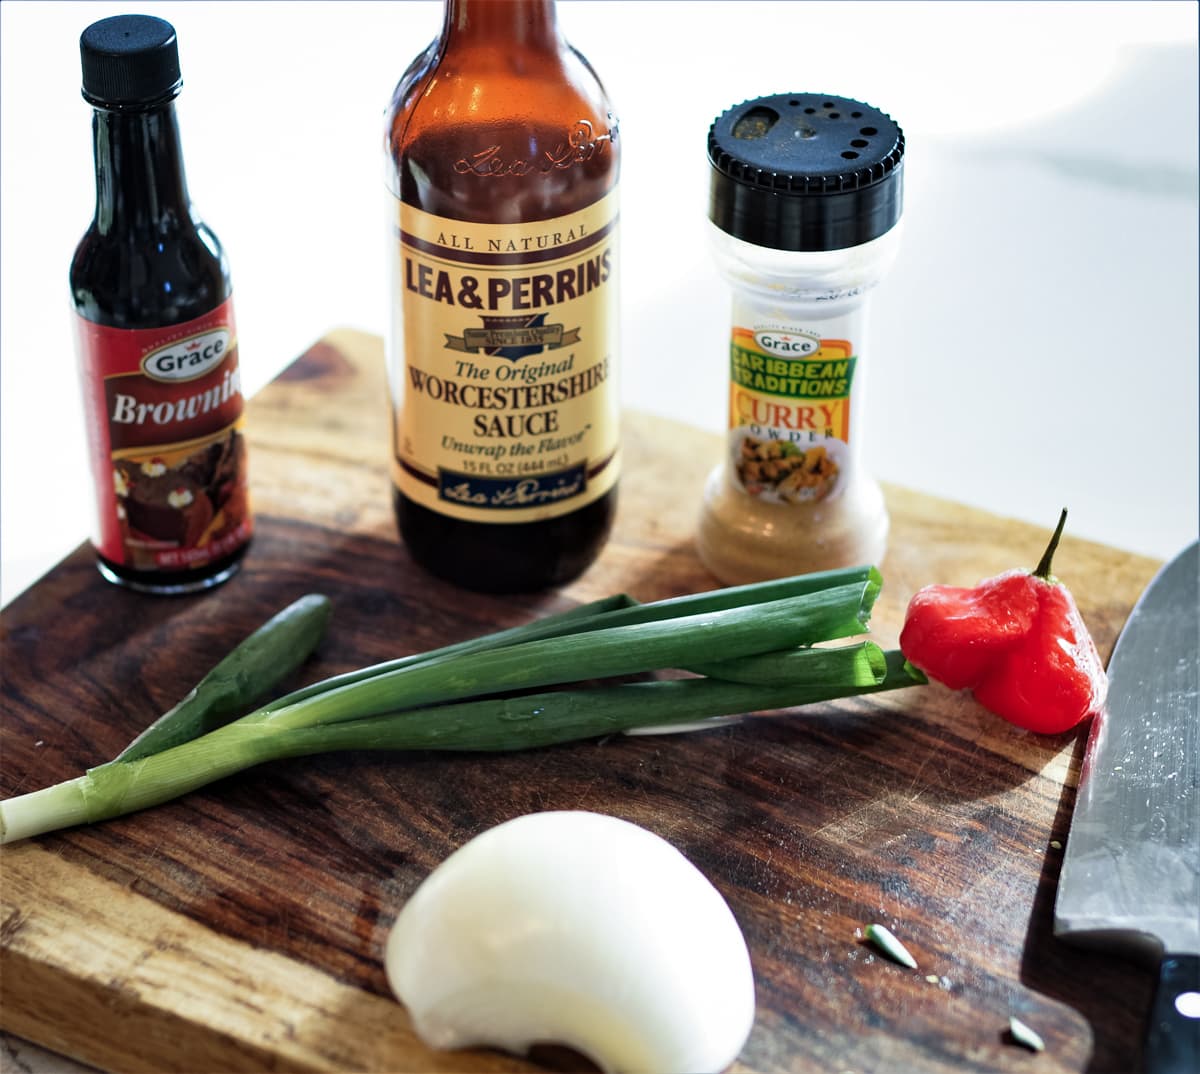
x: 502, y: 163
x: 157, y: 343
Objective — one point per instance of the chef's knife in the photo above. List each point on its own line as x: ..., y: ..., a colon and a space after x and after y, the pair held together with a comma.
x: 1130, y: 878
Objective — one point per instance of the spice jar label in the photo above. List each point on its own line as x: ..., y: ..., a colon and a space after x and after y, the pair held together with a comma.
x: 503, y: 377
x: 163, y: 408
x: 790, y: 412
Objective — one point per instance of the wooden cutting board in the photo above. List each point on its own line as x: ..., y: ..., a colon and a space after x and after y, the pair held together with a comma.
x: 242, y: 927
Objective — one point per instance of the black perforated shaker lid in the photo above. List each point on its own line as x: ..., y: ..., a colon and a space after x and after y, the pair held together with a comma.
x: 129, y: 60
x: 802, y: 171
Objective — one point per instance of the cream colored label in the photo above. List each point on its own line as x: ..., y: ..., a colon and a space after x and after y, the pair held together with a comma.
x: 502, y: 363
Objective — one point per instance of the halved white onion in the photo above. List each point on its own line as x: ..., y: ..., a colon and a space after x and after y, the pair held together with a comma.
x: 578, y: 929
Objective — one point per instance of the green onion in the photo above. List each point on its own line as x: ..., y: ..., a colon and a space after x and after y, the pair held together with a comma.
x: 261, y: 662
x: 491, y: 725
x: 742, y: 650
x: 605, y: 652
x: 620, y: 610
x: 854, y: 665
x: 550, y: 626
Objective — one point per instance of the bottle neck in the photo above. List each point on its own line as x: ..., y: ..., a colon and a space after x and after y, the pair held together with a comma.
x: 140, y: 181
x: 524, y: 23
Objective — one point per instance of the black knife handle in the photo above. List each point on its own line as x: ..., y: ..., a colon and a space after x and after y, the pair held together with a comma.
x: 1173, y: 1032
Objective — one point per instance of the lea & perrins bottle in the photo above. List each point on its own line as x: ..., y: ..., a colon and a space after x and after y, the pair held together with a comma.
x: 503, y: 164
x: 157, y: 342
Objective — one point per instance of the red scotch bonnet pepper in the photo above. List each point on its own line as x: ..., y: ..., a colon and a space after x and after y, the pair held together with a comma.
x: 1016, y: 641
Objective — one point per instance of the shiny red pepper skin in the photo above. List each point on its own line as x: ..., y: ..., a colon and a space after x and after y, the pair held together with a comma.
x: 1016, y: 641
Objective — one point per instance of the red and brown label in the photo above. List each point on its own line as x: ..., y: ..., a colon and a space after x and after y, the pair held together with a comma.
x: 164, y: 408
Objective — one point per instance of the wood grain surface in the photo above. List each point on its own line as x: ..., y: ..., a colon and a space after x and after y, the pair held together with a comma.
x: 242, y: 927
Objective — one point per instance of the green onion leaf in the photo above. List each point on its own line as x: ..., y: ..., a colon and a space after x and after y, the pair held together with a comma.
x: 550, y: 626
x: 857, y: 665
x: 262, y: 661
x: 602, y: 653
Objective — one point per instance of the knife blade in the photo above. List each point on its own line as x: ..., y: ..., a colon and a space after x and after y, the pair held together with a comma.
x: 1130, y: 879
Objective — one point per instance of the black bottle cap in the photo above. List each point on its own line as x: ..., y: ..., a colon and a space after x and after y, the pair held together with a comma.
x: 803, y: 171
x: 129, y: 60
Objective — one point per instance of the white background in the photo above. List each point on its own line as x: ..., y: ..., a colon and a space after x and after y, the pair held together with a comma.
x: 1035, y: 345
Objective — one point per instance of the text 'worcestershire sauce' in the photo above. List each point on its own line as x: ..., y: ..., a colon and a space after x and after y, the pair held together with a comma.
x: 503, y: 164
x: 157, y: 341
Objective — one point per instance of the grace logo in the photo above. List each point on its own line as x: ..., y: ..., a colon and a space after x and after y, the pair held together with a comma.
x: 188, y: 359
x: 787, y: 344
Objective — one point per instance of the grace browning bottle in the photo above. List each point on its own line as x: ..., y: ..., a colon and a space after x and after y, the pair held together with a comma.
x: 157, y: 343
x: 805, y: 204
x: 502, y: 163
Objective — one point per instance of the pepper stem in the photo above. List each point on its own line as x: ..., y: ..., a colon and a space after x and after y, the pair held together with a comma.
x: 1042, y: 570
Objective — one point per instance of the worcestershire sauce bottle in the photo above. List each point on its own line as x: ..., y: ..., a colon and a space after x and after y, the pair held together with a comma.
x: 502, y: 162
x: 157, y: 343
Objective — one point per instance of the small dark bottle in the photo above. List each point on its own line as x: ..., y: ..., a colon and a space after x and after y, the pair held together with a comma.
x: 503, y: 164
x: 157, y: 341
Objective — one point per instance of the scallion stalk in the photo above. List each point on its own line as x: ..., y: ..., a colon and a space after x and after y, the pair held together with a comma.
x: 490, y: 725
x: 551, y: 626
x: 602, y: 653
x: 619, y: 610
x: 748, y: 649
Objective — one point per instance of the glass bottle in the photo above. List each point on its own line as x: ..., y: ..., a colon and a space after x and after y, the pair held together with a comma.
x: 502, y: 163
x: 157, y: 343
x: 804, y: 209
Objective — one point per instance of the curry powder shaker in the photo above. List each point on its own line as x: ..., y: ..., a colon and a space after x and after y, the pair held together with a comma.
x: 805, y: 205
